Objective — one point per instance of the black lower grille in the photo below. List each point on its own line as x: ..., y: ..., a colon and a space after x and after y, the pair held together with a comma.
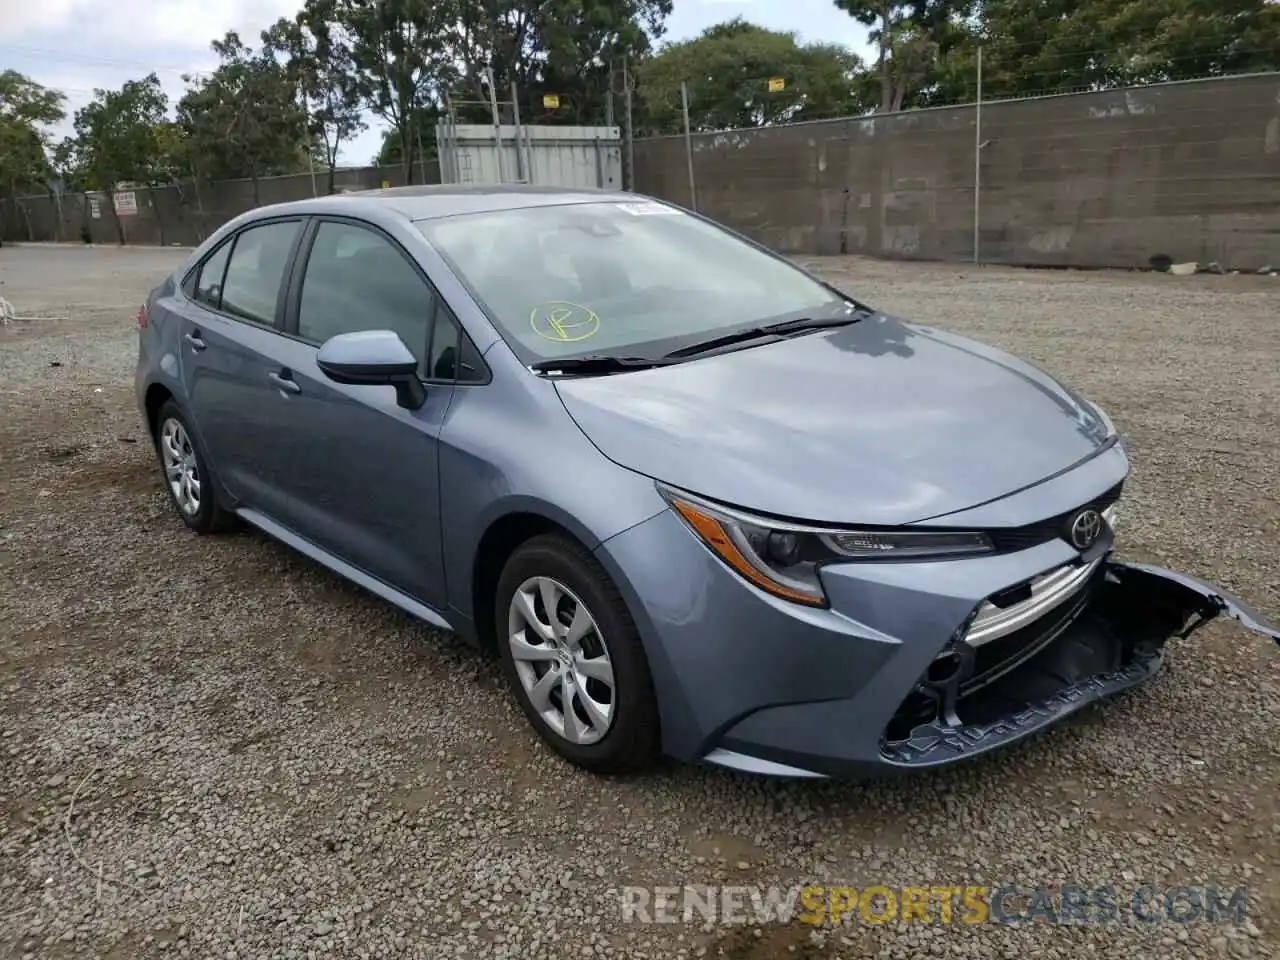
x: 986, y: 663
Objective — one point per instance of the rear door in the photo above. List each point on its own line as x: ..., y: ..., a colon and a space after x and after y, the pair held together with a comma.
x: 231, y: 322
x: 355, y: 473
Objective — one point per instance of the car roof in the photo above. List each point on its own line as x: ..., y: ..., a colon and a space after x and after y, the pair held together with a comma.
x: 429, y: 202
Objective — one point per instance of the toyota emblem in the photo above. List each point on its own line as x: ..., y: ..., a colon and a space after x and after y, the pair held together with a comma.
x: 1085, y: 528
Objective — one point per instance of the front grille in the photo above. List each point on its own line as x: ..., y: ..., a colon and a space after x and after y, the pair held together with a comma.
x: 1011, y: 609
x: 1008, y: 539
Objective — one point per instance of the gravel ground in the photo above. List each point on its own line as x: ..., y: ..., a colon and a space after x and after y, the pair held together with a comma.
x: 214, y: 748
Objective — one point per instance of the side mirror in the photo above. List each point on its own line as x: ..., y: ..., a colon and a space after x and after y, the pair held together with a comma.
x: 373, y: 358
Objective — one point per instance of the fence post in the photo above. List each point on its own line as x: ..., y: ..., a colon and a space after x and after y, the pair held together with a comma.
x: 977, y: 164
x: 688, y: 145
x: 523, y: 174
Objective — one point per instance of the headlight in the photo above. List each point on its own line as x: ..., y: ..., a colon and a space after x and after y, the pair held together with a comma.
x: 783, y: 559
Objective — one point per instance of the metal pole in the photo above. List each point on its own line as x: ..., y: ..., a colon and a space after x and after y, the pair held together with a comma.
x: 631, y: 151
x: 977, y: 163
x: 521, y: 170
x: 422, y: 162
x: 497, y: 122
x: 528, y: 151
x: 444, y: 142
x: 455, y: 164
x: 688, y: 144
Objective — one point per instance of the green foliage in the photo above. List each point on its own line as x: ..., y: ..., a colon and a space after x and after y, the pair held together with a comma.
x: 118, y: 134
x: 397, y: 54
x: 320, y: 66
x: 574, y: 48
x: 246, y: 119
x: 391, y: 151
x: 1033, y: 47
x: 727, y: 70
x: 25, y: 107
x: 910, y: 38
x: 927, y: 50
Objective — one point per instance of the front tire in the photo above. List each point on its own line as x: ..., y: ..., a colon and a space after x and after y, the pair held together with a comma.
x: 574, y: 659
x: 186, y: 475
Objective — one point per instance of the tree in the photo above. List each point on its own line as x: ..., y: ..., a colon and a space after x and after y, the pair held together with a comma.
x: 1032, y: 47
x: 25, y: 108
x: 319, y: 64
x: 565, y: 47
x: 118, y: 138
x: 909, y: 37
x: 727, y: 69
x: 245, y: 120
x: 398, y: 56
x: 391, y: 150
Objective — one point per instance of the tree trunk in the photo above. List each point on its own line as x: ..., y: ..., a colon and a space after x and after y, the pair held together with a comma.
x: 406, y: 148
x: 200, y: 216
x: 257, y: 197
x: 882, y: 66
x: 155, y: 208
x: 333, y: 168
x: 111, y: 205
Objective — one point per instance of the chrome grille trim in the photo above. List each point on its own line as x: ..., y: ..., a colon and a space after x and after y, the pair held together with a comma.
x: 1047, y: 592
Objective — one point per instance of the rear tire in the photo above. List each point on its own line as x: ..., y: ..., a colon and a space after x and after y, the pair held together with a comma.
x: 185, y: 473
x: 586, y: 652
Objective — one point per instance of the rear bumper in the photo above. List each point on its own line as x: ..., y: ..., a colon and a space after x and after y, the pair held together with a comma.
x: 760, y: 685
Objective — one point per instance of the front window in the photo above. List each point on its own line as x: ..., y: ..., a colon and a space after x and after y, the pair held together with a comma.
x: 618, y: 278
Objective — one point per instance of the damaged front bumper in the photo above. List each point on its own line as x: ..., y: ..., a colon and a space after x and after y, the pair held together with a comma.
x: 976, y: 698
x: 1112, y: 638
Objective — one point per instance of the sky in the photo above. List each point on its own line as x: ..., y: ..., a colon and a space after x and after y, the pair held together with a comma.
x: 79, y: 45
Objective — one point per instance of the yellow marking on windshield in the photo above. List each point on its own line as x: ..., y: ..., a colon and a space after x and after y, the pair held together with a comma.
x: 564, y: 321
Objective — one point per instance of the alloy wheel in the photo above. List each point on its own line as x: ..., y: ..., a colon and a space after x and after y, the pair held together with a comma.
x: 181, y: 471
x: 561, y: 660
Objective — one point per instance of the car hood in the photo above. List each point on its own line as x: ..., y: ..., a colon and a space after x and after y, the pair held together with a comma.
x: 878, y: 422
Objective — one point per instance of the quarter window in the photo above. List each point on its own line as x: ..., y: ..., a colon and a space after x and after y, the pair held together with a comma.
x: 256, y: 270
x: 453, y: 356
x: 209, y: 282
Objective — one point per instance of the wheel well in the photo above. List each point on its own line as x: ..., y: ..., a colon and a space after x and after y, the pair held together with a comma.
x: 156, y: 397
x: 496, y: 546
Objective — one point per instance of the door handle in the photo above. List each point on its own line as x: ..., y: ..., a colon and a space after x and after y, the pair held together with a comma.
x: 196, y: 341
x: 284, y: 383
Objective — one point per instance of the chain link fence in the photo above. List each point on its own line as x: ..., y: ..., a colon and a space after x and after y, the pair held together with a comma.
x: 1124, y: 177
x: 1181, y: 171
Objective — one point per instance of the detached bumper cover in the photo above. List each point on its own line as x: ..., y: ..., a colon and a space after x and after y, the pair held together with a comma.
x: 1111, y: 640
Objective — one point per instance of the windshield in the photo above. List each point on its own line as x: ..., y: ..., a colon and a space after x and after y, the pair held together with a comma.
x: 618, y: 277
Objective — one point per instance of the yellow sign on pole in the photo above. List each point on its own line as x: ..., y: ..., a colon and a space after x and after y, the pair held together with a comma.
x: 551, y: 101
x: 776, y: 84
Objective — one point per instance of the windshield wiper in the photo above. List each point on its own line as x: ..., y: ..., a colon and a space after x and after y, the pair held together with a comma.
x: 780, y: 329
x: 599, y: 363
x: 808, y: 323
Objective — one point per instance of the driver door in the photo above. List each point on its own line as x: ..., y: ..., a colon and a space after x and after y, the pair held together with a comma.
x: 356, y: 474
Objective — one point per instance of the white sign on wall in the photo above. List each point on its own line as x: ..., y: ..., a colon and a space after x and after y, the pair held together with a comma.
x: 127, y: 203
x: 95, y: 208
